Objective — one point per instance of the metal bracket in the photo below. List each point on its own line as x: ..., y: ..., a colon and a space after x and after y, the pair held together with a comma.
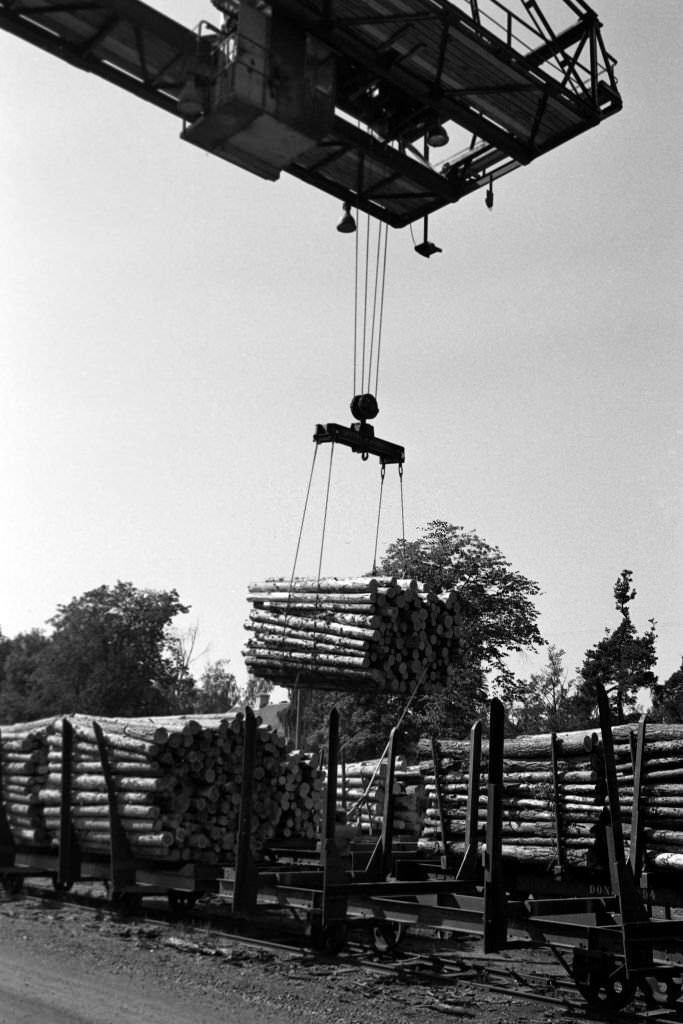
x: 360, y: 438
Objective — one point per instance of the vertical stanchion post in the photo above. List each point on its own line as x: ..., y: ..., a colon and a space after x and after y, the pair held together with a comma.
x: 334, y: 900
x: 470, y: 865
x: 495, y: 922
x: 122, y: 865
x: 245, y: 888
x: 636, y: 842
x: 557, y: 805
x: 445, y: 859
x: 632, y: 907
x: 7, y: 848
x: 69, y: 861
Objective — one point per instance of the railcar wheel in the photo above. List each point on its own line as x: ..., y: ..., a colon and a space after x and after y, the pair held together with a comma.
x: 12, y: 884
x: 386, y: 935
x: 663, y: 991
x: 602, y: 982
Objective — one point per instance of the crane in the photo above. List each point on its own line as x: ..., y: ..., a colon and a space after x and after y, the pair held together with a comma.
x: 356, y: 98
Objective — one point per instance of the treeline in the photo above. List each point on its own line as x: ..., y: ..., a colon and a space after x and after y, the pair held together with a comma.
x: 111, y: 652
x: 623, y: 661
x: 114, y: 652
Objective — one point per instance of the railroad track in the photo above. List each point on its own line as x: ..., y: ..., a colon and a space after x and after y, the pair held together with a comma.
x: 438, y: 965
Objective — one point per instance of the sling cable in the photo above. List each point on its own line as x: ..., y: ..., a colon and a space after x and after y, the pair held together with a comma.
x: 370, y: 265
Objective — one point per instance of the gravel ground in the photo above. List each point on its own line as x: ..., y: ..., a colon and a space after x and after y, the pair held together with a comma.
x: 62, y: 965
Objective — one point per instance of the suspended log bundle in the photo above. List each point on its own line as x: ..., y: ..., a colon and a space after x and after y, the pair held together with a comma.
x: 361, y: 789
x: 344, y: 634
x: 555, y: 815
x: 176, y: 782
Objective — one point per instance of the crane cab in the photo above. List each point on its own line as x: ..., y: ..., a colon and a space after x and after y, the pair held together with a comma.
x: 266, y: 88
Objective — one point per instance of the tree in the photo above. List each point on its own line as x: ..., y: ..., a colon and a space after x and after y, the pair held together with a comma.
x: 19, y: 694
x: 498, y: 605
x: 543, y: 703
x: 622, y: 661
x: 499, y: 602
x: 667, y: 699
x: 112, y: 652
x: 217, y: 690
x: 5, y: 648
x: 499, y: 618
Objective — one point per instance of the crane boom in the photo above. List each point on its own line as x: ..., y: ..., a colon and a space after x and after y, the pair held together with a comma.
x: 345, y: 96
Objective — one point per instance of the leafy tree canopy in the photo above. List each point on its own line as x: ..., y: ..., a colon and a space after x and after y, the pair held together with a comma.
x: 501, y: 617
x: 19, y: 700
x: 622, y: 661
x: 667, y: 699
x: 218, y: 690
x: 543, y: 703
x: 110, y: 652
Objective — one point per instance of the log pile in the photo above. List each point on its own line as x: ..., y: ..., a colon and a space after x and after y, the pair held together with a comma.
x: 530, y: 822
x: 661, y: 791
x: 177, y: 781
x: 23, y: 766
x: 344, y: 634
x: 300, y: 789
x: 529, y: 826
x: 361, y: 789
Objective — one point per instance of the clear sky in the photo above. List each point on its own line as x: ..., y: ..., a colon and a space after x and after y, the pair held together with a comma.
x: 173, y: 328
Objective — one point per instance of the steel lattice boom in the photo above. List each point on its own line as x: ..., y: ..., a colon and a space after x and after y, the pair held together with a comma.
x: 347, y: 96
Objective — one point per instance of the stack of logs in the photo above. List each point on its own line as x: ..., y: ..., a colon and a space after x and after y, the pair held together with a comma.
x: 661, y: 791
x: 342, y: 634
x: 531, y: 812
x: 178, y: 784
x: 23, y: 767
x: 361, y: 789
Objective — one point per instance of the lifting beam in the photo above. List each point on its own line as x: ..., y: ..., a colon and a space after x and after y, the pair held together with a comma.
x: 360, y: 438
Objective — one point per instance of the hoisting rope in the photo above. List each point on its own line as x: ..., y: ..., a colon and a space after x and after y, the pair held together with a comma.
x: 403, y: 522
x: 355, y: 310
x: 365, y: 297
x: 371, y: 333
x: 381, y: 307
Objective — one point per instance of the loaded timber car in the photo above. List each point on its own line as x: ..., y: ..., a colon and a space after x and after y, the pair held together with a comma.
x: 127, y: 876
x: 599, y: 921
